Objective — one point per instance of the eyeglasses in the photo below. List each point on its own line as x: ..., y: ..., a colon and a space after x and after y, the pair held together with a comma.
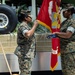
x: 30, y: 17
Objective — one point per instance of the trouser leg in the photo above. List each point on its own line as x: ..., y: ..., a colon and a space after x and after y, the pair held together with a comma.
x: 24, y: 73
x: 25, y: 65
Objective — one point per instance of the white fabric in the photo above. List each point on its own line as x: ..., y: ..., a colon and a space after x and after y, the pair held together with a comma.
x: 70, y: 28
x: 24, y: 32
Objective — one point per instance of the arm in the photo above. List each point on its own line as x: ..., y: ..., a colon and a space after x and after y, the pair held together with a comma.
x: 66, y: 34
x: 31, y: 32
x: 70, y: 30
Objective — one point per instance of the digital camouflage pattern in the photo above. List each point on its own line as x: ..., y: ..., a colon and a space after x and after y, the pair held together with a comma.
x: 25, y: 49
x: 68, y: 49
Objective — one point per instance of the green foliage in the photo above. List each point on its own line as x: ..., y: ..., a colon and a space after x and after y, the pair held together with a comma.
x: 40, y: 28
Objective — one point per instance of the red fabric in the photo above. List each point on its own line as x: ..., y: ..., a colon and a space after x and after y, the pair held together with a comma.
x: 43, y: 15
x: 54, y: 54
x: 44, y: 19
x: 55, y: 41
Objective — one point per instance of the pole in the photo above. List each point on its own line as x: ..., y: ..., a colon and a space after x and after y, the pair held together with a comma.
x: 33, y: 12
x: 3, y: 1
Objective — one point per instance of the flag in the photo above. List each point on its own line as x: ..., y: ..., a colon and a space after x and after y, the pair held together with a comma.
x: 54, y: 54
x: 43, y: 16
x: 49, y: 16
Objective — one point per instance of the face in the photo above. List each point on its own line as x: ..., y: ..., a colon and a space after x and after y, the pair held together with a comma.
x: 66, y: 14
x: 28, y: 19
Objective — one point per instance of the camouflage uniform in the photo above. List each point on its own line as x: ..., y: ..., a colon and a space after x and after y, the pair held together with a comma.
x: 25, y: 49
x: 68, y: 49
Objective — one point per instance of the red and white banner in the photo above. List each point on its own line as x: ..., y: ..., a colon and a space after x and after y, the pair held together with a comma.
x: 43, y: 16
x: 49, y: 16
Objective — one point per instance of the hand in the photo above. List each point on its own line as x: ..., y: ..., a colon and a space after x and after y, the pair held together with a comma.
x: 56, y: 33
x: 30, y: 32
x: 36, y: 22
